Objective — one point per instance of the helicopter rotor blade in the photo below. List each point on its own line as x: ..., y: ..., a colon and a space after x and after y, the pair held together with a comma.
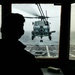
x: 39, y: 17
x: 31, y: 17
x: 32, y: 13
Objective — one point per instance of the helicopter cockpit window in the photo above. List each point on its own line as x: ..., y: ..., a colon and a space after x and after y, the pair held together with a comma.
x: 72, y: 33
x: 42, y: 28
x: 0, y: 20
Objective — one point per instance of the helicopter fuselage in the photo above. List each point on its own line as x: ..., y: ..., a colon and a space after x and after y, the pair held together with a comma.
x: 41, y: 29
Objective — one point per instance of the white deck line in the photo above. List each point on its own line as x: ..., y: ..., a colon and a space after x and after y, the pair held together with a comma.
x: 48, y: 51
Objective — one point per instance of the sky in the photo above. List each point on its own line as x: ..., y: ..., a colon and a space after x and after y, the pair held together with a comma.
x: 52, y: 11
x: 31, y: 10
x: 73, y: 17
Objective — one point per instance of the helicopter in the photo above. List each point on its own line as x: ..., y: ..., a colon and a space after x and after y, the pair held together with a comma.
x: 41, y: 28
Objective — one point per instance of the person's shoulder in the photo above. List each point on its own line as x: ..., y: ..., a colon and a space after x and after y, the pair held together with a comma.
x: 28, y: 54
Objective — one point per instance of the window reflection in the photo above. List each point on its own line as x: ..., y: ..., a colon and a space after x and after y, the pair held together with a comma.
x: 72, y: 33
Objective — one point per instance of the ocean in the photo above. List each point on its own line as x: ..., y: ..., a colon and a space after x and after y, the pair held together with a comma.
x: 72, y: 38
x: 27, y: 39
x: 0, y: 35
x: 47, y: 48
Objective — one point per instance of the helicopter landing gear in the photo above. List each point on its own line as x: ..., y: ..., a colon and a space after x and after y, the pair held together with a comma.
x: 33, y: 37
x: 50, y: 37
x: 41, y: 40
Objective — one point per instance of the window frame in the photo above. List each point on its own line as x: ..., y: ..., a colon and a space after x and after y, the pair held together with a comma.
x: 65, y: 23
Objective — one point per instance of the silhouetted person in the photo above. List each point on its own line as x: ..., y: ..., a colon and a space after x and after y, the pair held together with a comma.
x: 14, y: 59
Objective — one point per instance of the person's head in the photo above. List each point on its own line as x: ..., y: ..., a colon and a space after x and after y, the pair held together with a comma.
x: 12, y: 26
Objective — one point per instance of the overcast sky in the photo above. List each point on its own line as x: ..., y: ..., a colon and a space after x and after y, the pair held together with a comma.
x: 31, y: 10
x: 52, y: 11
x: 73, y: 17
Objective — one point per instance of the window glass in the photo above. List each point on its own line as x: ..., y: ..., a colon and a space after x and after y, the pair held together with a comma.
x: 72, y: 33
x: 41, y: 35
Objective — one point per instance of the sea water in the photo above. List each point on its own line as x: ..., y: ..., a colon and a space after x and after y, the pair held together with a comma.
x: 27, y: 39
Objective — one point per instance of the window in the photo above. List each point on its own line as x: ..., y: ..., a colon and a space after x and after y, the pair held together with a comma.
x: 72, y: 33
x: 37, y: 37
x: 0, y: 19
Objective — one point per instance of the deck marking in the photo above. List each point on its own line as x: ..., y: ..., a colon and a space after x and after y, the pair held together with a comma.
x: 47, y: 51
